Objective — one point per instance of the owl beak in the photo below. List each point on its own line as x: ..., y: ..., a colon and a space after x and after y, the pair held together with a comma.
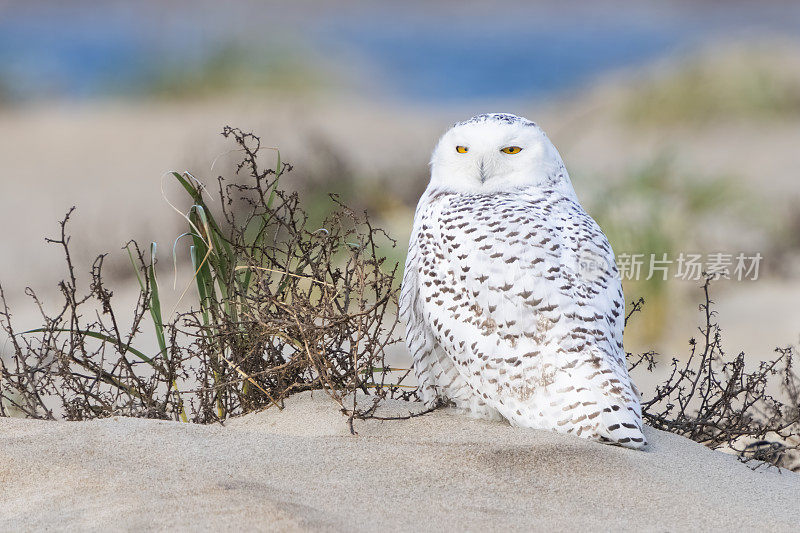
x: 483, y: 173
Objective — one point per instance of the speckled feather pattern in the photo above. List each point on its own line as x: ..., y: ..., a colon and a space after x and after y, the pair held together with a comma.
x: 503, y: 322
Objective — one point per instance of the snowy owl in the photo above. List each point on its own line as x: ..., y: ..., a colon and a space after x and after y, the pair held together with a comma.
x: 511, y: 295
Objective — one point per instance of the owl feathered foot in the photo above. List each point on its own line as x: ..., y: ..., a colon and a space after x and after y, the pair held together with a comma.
x: 473, y: 407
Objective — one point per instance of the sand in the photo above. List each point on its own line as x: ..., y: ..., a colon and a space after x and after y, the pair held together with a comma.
x: 299, y: 469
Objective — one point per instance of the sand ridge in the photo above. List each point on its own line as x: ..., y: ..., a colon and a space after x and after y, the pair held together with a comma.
x: 300, y: 470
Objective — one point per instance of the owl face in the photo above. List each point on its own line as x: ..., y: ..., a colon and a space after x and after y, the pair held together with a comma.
x: 494, y: 153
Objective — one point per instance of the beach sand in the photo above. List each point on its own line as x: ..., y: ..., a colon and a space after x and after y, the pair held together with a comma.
x: 301, y: 469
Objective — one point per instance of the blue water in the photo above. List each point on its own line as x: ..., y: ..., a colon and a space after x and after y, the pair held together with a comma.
x: 437, y: 61
x: 84, y: 52
x: 421, y: 55
x: 50, y: 60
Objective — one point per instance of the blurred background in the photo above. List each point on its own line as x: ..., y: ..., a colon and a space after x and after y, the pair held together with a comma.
x: 679, y: 122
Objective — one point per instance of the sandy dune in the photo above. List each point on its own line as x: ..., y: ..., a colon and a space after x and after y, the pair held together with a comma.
x: 300, y: 469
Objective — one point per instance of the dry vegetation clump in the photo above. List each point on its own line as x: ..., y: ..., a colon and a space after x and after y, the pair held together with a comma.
x: 280, y: 308
x: 283, y: 305
x: 715, y: 400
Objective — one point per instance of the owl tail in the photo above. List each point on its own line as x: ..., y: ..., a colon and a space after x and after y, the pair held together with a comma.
x: 619, y: 414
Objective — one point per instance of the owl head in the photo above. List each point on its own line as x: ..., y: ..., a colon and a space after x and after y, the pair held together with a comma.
x: 497, y: 152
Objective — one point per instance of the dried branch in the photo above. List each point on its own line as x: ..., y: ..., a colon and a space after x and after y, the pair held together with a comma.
x: 715, y: 400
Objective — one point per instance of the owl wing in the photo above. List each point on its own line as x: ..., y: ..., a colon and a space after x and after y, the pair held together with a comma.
x: 436, y: 374
x: 522, y: 294
x: 419, y: 338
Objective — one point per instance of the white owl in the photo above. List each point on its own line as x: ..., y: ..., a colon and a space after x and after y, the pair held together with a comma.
x: 511, y: 295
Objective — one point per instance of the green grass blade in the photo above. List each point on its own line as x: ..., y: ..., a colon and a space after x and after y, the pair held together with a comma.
x: 135, y: 268
x: 155, y: 313
x: 155, y: 302
x: 105, y: 338
x: 277, y: 178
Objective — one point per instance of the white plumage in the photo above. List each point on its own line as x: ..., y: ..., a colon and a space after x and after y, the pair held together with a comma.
x: 511, y: 294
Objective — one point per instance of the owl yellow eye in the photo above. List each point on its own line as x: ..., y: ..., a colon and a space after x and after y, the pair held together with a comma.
x: 511, y: 150
x: 462, y: 149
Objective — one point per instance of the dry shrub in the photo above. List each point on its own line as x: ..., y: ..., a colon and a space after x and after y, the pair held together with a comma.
x: 281, y: 308
x: 715, y: 400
